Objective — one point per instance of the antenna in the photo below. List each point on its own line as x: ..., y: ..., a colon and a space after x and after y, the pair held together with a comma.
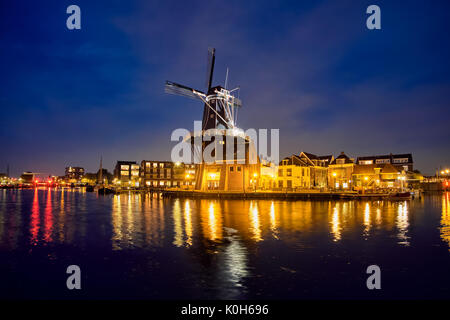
x: 226, y: 79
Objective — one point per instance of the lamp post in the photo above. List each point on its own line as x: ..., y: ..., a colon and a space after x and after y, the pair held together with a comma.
x: 334, y: 180
x: 255, y: 175
x: 401, y: 178
x: 364, y: 183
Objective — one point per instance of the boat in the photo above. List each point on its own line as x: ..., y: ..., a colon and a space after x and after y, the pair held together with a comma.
x: 104, y: 191
x: 90, y: 189
x: 400, y: 196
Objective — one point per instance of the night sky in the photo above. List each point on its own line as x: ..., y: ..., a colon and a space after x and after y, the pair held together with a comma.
x: 310, y: 68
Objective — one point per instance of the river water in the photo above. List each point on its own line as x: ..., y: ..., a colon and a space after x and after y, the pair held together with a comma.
x: 133, y: 246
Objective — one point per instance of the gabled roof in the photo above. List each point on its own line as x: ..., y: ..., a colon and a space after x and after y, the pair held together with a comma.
x: 327, y: 158
x: 364, y: 169
x: 389, y: 168
x: 294, y: 160
x: 309, y: 157
x: 314, y: 158
x: 342, y: 156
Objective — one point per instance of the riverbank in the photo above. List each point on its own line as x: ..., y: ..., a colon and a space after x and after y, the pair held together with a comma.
x: 324, y: 195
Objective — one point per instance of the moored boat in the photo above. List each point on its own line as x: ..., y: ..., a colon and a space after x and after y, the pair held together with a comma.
x: 399, y: 196
x: 104, y: 191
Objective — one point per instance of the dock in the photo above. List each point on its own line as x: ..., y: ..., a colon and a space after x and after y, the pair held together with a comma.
x: 291, y: 195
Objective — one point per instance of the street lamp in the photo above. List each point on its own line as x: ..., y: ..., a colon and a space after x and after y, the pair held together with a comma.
x: 255, y: 175
x: 363, y: 185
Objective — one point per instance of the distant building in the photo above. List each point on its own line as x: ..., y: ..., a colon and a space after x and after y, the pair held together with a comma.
x: 74, y: 173
x: 167, y: 174
x: 27, y: 177
x: 403, y: 162
x: 340, y: 172
x: 127, y: 172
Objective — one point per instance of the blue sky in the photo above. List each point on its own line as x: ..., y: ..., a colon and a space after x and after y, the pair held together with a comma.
x: 310, y: 68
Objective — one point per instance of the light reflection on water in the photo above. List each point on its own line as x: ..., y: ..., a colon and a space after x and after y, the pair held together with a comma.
x: 445, y: 219
x: 146, y: 220
x: 229, y: 232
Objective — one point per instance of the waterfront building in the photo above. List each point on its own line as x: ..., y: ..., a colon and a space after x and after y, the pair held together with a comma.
x: 234, y: 164
x: 318, y: 168
x: 27, y: 177
x: 403, y: 162
x: 293, y: 173
x: 3, y: 179
x: 374, y: 177
x: 74, y: 174
x: 126, y: 172
x: 167, y: 174
x: 268, y: 175
x: 340, y: 171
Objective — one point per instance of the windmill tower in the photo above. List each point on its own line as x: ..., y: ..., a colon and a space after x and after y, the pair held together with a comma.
x: 219, y: 120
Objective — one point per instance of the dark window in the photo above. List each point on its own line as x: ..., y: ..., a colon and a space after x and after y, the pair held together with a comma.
x: 238, y: 168
x: 231, y: 169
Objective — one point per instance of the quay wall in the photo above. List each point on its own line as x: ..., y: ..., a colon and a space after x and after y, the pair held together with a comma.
x: 269, y: 195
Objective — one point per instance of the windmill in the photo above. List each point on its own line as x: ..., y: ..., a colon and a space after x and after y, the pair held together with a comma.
x: 220, y: 106
x: 219, y: 116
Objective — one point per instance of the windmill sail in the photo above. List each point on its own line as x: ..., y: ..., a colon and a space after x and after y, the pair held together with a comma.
x: 180, y: 90
x: 210, y: 68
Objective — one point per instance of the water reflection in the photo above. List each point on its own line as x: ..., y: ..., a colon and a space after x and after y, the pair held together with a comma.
x: 254, y: 221
x: 402, y: 223
x: 445, y: 219
x: 367, y: 224
x: 48, y: 218
x: 34, y: 225
x: 273, y: 221
x: 335, y: 225
x: 188, y: 223
x: 45, y: 216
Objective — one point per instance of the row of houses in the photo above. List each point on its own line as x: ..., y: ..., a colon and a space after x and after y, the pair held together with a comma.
x: 296, y: 172
x: 309, y: 171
